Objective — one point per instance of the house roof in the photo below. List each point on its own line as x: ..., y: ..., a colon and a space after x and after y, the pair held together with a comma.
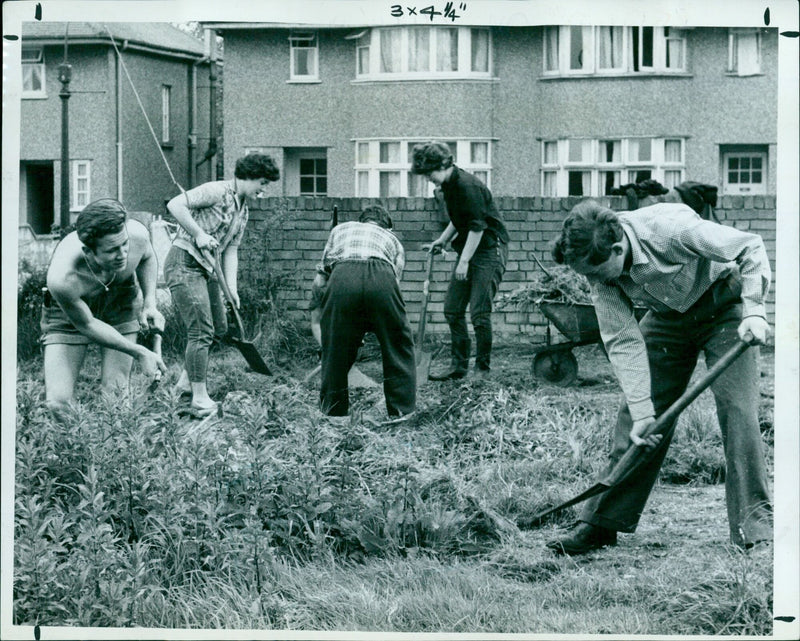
x: 161, y: 37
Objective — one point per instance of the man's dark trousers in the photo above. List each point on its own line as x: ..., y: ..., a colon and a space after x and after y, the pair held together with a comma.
x: 363, y: 296
x: 486, y: 268
x: 674, y: 342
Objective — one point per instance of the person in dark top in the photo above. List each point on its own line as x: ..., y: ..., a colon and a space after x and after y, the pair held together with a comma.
x: 478, y: 235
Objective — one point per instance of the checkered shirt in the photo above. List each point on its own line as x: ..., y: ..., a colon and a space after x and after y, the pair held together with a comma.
x: 362, y: 241
x: 676, y: 257
x: 217, y: 212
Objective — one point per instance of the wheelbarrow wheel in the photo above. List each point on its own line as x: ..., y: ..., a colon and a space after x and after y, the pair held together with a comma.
x: 559, y: 367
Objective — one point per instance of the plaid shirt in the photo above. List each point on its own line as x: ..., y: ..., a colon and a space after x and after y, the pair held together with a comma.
x: 215, y: 209
x: 676, y: 257
x: 362, y: 241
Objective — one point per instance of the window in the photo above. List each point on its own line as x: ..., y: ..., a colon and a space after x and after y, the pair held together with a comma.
x: 33, y: 73
x: 303, y: 58
x: 744, y: 169
x: 166, y: 92
x: 604, y: 50
x: 313, y: 177
x: 593, y: 167
x: 392, y: 53
x: 382, y: 167
x: 744, y: 52
x: 81, y: 184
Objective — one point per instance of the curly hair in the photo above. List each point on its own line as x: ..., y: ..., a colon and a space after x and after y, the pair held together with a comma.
x: 588, y: 233
x: 255, y: 166
x: 100, y: 218
x: 376, y: 214
x: 430, y: 156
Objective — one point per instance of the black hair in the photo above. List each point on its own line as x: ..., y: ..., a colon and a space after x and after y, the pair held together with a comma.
x: 255, y: 166
x: 430, y: 156
x: 588, y: 233
x: 376, y: 214
x: 100, y: 218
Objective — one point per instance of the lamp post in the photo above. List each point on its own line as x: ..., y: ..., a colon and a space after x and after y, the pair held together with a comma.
x: 64, y: 75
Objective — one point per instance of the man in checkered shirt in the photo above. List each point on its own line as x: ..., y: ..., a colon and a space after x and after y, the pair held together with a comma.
x: 362, y: 262
x: 705, y: 285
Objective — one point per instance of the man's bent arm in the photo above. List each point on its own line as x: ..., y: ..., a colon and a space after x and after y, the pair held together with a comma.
x: 93, y: 328
x: 626, y: 348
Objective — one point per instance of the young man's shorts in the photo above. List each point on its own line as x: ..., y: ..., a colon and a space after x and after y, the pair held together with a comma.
x: 119, y: 307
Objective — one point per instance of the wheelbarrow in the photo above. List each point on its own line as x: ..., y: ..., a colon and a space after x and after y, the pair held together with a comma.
x: 555, y: 362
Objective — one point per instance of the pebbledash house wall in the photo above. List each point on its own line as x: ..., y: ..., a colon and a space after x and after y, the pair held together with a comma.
x: 286, y: 236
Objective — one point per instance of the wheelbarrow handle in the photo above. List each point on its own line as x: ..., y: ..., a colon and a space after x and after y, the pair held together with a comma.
x: 542, y: 267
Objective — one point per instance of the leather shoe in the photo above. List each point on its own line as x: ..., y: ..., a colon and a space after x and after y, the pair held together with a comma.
x: 584, y: 538
x: 453, y: 374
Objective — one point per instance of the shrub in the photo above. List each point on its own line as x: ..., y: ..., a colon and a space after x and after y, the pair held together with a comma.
x: 29, y: 309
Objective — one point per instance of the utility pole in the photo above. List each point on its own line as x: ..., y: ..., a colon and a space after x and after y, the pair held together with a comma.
x: 64, y: 75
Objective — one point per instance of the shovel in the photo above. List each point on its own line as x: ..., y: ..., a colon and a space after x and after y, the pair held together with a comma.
x: 635, y: 454
x: 247, y: 348
x: 423, y: 358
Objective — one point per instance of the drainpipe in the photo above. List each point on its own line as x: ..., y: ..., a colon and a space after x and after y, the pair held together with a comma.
x: 192, y: 142
x: 118, y: 82
x: 211, y: 37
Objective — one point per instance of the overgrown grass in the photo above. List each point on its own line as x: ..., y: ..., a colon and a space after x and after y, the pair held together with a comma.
x: 277, y: 517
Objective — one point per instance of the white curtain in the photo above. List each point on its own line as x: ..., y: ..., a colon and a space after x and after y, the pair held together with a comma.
x: 479, y: 153
x: 480, y: 50
x: 419, y: 39
x: 447, y: 49
x: 390, y: 50
x: 610, y: 47
x: 389, y: 184
x: 550, y: 152
x: 549, y: 184
x: 363, y: 184
x: 551, y: 45
x: 672, y: 150
x: 389, y: 152
x: 674, y: 48
x: 747, y: 50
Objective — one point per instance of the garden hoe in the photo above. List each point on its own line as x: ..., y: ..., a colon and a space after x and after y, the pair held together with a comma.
x: 247, y: 348
x: 155, y: 347
x: 636, y: 455
x: 423, y: 358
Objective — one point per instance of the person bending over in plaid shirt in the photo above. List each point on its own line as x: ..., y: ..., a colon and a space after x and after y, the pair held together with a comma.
x: 364, y: 261
x: 704, y: 284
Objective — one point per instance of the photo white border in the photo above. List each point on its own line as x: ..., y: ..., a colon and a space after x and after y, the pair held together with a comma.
x: 341, y: 13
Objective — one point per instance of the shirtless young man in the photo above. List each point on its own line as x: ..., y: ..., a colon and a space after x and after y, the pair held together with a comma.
x: 94, y: 282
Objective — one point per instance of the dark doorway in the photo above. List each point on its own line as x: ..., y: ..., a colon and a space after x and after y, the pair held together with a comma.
x: 39, y: 195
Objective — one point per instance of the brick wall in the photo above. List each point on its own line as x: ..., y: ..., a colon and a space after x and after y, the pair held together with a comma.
x: 286, y: 236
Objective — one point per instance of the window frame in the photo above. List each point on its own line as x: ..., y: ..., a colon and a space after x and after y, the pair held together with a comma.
x: 734, y: 65
x: 624, y: 168
x: 41, y: 64
x: 371, y: 170
x: 744, y: 151
x: 296, y: 37
x: 315, y: 158
x: 75, y: 192
x: 464, y: 56
x: 592, y: 39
